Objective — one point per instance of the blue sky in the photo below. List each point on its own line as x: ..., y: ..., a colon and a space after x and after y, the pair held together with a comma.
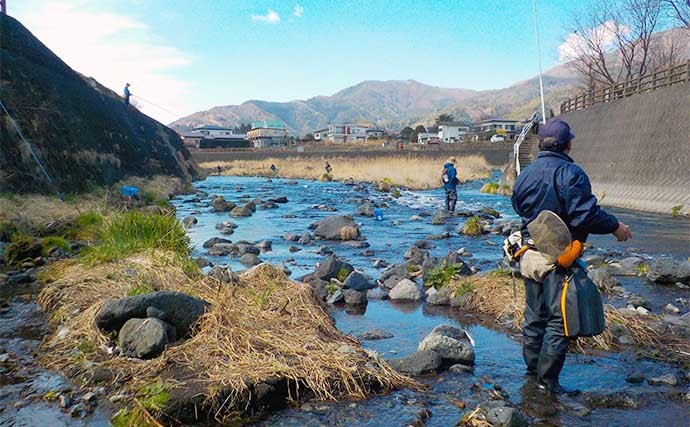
x: 190, y: 55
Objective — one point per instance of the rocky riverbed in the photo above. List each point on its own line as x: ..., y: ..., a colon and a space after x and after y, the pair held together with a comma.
x: 617, y: 386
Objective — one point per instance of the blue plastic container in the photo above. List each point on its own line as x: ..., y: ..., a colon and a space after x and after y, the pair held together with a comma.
x: 128, y: 191
x: 378, y: 214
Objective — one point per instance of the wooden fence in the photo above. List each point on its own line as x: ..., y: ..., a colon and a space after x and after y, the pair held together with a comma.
x: 672, y: 75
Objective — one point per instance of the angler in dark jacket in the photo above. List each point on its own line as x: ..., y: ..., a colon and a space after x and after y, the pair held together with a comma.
x: 554, y: 182
x: 450, y: 184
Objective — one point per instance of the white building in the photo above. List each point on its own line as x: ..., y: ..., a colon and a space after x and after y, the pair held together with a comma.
x: 452, y: 132
x: 427, y: 137
x: 321, y: 135
x: 374, y: 133
x: 340, y: 134
x: 506, y: 127
x: 267, y: 133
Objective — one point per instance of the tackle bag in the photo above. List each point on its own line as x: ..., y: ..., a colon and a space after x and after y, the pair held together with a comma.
x: 581, y: 305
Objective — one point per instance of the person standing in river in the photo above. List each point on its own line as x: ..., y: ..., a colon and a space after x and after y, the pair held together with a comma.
x: 555, y: 183
x: 450, y: 184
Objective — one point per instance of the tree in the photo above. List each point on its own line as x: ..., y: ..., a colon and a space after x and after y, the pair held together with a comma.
x: 444, y: 118
x: 613, y: 41
x: 417, y: 130
x: 679, y: 11
x: 308, y: 137
x: 406, y: 133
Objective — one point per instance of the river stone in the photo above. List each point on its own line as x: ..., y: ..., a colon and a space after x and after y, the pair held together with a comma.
x: 366, y: 209
x: 319, y: 288
x: 241, y: 211
x: 380, y: 263
x: 439, y: 218
x: 181, y: 310
x: 353, y: 297
x: 189, y: 221
x: 451, y: 343
x: 397, y: 270
x: 145, y: 338
x: 268, y: 205
x: 668, y: 379
x: 629, y: 266
x: 415, y: 253
x: 221, y: 205
x: 221, y: 249
x: 337, y: 227
x: 441, y: 297
x: 215, y: 240
x: 242, y: 248
x: 506, y: 416
x: 250, y: 260
x: 290, y: 237
x: 418, y: 363
x: 668, y: 270
x: 305, y: 239
x: 357, y: 281
x: 329, y: 269
x: 265, y: 245
x: 405, y: 290
x: 336, y: 297
x: 374, y: 335
x: 225, y: 224
x: 604, y: 281
x: 281, y: 199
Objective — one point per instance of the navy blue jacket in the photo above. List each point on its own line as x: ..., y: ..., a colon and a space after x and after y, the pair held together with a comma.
x: 452, y: 177
x: 553, y: 182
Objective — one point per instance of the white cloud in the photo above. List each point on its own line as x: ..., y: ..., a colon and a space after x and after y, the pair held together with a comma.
x: 114, y: 49
x: 575, y: 44
x: 299, y: 11
x: 270, y: 17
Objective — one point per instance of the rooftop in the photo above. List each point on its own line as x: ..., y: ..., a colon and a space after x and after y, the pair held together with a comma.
x: 498, y: 120
x: 212, y: 127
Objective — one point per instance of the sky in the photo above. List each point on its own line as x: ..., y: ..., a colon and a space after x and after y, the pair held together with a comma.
x: 185, y: 56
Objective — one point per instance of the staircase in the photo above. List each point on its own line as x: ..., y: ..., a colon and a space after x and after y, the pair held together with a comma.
x: 526, y: 148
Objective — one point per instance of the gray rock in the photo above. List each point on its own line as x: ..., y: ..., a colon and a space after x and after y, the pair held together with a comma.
x: 90, y: 399
x: 145, y: 338
x: 379, y: 263
x: 202, y: 262
x: 439, y: 218
x: 405, y: 290
x: 337, y: 228
x: 19, y: 278
x: 294, y: 249
x: 635, y: 377
x: 358, y: 244
x: 460, y: 368
x: 668, y: 379
x: 668, y: 270
x: 353, y: 297
x: 225, y: 224
x: 265, y: 245
x: 638, y: 301
x: 281, y: 199
x: 336, y: 297
x: 418, y: 363
x: 329, y: 269
x: 397, y: 270
x: 630, y: 266
x: 243, y: 248
x: 221, y: 249
x: 305, y: 239
x: 451, y: 343
x: 221, y: 205
x: 250, y: 260
x: 241, y: 211
x: 374, y: 335
x: 64, y: 401
x: 506, y: 416
x: 291, y: 237
x: 415, y: 254
x: 604, y: 281
x: 215, y: 240
x: 181, y: 310
x: 319, y: 289
x: 366, y: 209
x: 441, y: 297
x: 391, y: 282
x: 268, y: 205
x: 357, y: 281
x: 671, y: 309
x: 377, y: 293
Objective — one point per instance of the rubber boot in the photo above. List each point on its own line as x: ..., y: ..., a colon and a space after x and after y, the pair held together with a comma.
x: 548, y: 370
x: 530, y: 354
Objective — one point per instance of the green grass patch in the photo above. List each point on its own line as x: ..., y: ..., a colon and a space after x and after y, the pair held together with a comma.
x: 154, y: 396
x: 7, y: 231
x: 51, y: 242
x: 464, y: 288
x: 676, y: 210
x: 491, y: 211
x: 342, y: 274
x: 86, y: 347
x: 86, y: 226
x: 395, y: 193
x: 125, y: 234
x: 442, y: 275
x: 331, y: 288
x: 489, y: 188
x: 22, y: 247
x: 472, y: 227
x: 386, y: 185
x: 642, y: 269
x: 141, y: 289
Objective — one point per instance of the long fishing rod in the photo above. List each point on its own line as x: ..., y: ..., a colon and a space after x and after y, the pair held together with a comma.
x: 156, y: 105
x: 541, y: 83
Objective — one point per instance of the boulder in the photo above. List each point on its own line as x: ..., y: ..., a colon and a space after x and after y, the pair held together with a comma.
x: 374, y: 335
x: 145, y: 338
x: 225, y: 224
x: 357, y: 281
x: 337, y: 227
x: 418, y: 363
x: 668, y: 270
x: 294, y: 249
x: 366, y: 209
x: 330, y: 268
x: 219, y: 204
x: 268, y: 205
x: 451, y: 343
x: 250, y: 260
x: 668, y: 379
x: 405, y: 290
x: 215, y: 240
x: 243, y: 247
x: 336, y: 297
x: 281, y: 199
x: 505, y: 416
x: 353, y: 297
x: 221, y: 249
x: 291, y: 237
x: 241, y: 211
x: 397, y: 270
x: 189, y: 221
x: 265, y: 245
x: 305, y: 239
x: 179, y: 310
x: 604, y: 281
x: 440, y: 297
x: 629, y: 266
x: 439, y: 218
x: 380, y: 263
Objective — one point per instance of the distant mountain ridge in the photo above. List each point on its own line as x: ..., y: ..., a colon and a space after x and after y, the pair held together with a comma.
x: 392, y: 104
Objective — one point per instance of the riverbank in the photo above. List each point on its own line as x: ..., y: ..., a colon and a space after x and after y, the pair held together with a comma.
x: 404, y: 171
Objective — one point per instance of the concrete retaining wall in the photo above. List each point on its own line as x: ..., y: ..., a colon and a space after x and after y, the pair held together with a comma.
x: 636, y: 150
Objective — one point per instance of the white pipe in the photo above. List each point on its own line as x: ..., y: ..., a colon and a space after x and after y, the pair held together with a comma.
x: 541, y: 83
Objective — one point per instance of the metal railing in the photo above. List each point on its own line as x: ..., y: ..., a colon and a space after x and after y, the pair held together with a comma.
x: 518, y: 143
x: 669, y: 76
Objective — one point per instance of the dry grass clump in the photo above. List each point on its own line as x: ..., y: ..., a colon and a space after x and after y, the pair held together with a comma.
x: 406, y: 171
x: 493, y: 294
x: 265, y: 327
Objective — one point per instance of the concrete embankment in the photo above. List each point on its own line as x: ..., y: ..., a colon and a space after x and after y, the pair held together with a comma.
x: 496, y: 154
x: 636, y: 150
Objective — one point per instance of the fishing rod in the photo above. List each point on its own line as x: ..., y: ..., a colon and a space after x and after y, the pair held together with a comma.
x: 156, y: 105
x: 541, y: 83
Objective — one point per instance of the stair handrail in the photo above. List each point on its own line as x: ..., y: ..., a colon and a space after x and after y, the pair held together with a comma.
x: 516, y: 147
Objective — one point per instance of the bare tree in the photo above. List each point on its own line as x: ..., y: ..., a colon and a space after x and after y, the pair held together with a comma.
x: 679, y: 11
x: 613, y: 40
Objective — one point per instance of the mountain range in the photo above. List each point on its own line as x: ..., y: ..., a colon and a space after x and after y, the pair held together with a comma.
x: 393, y: 104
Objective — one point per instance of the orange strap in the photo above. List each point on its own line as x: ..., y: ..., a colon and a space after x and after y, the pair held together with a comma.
x: 567, y: 258
x: 563, y: 310
x: 520, y: 251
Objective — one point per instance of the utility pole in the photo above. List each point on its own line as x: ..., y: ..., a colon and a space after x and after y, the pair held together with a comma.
x: 3, y: 7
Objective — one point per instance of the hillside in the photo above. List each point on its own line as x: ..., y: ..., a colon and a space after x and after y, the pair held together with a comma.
x: 80, y: 130
x: 392, y: 104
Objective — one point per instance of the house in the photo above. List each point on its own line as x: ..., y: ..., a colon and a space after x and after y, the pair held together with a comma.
x: 374, y: 133
x: 426, y: 137
x: 211, y: 136
x: 321, y: 134
x: 507, y: 127
x: 452, y: 132
x: 340, y: 134
x: 267, y: 133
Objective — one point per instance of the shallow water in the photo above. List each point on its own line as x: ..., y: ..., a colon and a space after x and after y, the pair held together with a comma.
x: 498, y: 354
